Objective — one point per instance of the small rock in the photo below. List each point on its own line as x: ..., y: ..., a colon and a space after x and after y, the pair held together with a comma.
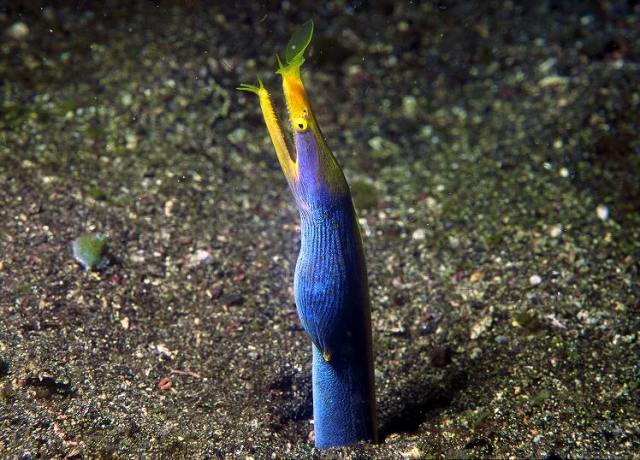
x: 163, y: 350
x: 18, y: 31
x: 215, y: 291
x: 410, y: 107
x: 553, y: 80
x: 454, y: 242
x: 253, y: 355
x: 376, y: 143
x: 131, y: 141
x: 168, y: 207
x: 418, y: 234
x: 476, y: 352
x: 480, y: 327
x: 547, y: 65
x: 412, y: 453
x: 534, y: 280
x: 399, y: 298
x: 204, y: 256
x: 201, y: 256
x: 137, y: 258
x: 126, y: 99
x: 426, y: 131
x: 237, y: 136
x: 232, y: 300
x: 555, y: 231
x: 383, y: 148
x: 602, y: 212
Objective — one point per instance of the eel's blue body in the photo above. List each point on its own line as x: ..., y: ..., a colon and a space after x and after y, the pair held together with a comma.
x: 332, y: 299
x: 330, y: 282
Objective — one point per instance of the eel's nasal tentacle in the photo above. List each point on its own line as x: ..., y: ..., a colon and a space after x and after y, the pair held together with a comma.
x: 286, y: 155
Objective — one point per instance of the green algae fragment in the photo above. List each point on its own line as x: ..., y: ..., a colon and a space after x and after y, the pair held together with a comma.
x: 97, y: 193
x: 541, y: 397
x: 299, y: 42
x: 494, y: 240
x: 528, y: 321
x: 90, y: 251
x: 475, y: 418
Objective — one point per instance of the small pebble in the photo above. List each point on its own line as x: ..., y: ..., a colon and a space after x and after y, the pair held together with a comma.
x: 603, y: 212
x: 480, y: 327
x: 384, y: 148
x: 418, y: 234
x: 555, y: 231
x: 18, y: 31
x: 238, y: 136
x: 534, y: 280
x: 204, y: 256
x: 126, y: 99
x: 199, y: 257
x: 426, y: 131
x: 414, y: 452
x: 162, y: 350
x: 410, y: 107
x: 547, y: 65
x: 132, y: 141
x: 376, y: 143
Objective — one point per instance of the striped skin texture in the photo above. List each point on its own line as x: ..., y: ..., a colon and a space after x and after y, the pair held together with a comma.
x: 330, y: 286
x: 332, y: 299
x: 330, y: 281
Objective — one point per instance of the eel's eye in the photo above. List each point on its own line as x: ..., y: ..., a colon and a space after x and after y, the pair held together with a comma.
x: 300, y: 124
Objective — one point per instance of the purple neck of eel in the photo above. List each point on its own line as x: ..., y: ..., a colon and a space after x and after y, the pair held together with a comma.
x: 330, y: 281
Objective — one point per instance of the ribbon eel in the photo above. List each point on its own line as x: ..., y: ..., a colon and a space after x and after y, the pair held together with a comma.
x: 330, y: 281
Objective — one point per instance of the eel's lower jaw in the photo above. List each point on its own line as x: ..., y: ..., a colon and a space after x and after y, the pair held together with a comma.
x: 293, y: 176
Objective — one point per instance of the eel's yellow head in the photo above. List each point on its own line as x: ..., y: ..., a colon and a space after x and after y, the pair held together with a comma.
x: 295, y: 96
x: 312, y: 172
